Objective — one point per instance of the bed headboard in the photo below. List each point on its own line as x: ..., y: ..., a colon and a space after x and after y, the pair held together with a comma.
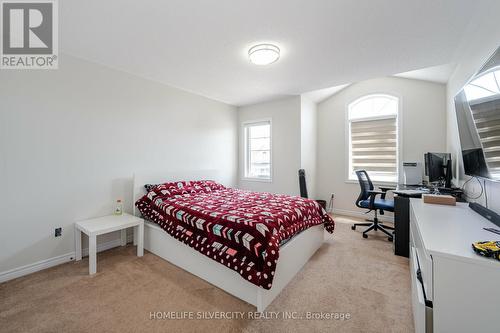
x: 158, y: 177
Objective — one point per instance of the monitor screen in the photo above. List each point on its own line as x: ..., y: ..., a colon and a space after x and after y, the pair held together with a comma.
x: 437, y: 166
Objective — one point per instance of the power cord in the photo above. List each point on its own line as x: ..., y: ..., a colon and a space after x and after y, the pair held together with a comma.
x: 330, y: 204
x: 480, y: 184
x: 485, y: 193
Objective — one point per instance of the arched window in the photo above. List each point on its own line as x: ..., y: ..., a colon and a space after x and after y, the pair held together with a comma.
x: 484, y: 86
x: 373, y: 137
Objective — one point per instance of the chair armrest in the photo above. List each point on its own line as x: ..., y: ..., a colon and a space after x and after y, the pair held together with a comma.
x: 385, y: 190
x: 373, y: 194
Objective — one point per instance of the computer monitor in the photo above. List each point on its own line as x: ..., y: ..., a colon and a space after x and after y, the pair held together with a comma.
x: 438, y: 168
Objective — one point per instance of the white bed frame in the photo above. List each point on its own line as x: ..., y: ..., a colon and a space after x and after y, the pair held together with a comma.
x: 293, y: 255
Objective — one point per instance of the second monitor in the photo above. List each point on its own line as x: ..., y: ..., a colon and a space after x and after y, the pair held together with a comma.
x: 438, y: 168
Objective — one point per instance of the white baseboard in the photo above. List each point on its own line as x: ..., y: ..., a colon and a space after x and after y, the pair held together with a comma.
x: 54, y: 261
x: 35, y: 267
x: 345, y: 212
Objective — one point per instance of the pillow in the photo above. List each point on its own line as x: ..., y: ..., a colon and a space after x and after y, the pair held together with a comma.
x: 171, y: 185
x: 185, y: 187
x: 150, y: 187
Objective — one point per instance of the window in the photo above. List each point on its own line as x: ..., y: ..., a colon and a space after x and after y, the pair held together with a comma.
x: 486, y: 85
x: 373, y: 137
x: 258, y: 150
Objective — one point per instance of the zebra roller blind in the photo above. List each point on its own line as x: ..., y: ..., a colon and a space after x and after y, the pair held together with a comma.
x: 487, y: 121
x: 373, y: 137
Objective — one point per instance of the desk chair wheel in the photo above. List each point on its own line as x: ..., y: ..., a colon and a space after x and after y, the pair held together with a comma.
x: 365, y: 236
x: 353, y: 227
x: 390, y: 239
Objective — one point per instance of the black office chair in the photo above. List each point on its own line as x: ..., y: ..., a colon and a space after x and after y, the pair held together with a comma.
x: 367, y: 199
x: 302, y: 183
x: 303, y: 188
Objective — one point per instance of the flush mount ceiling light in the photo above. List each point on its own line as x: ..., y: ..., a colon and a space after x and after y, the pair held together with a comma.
x: 264, y: 54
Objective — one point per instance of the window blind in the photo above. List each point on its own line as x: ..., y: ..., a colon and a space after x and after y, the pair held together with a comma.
x: 374, y: 147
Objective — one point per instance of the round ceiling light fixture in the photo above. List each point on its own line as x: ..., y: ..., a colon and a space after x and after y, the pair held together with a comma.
x: 264, y: 54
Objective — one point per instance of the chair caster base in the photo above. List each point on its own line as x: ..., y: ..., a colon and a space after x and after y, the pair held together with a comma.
x: 353, y: 227
x: 365, y: 236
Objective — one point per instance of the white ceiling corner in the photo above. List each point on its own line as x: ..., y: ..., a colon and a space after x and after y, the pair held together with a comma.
x: 320, y: 95
x: 438, y: 74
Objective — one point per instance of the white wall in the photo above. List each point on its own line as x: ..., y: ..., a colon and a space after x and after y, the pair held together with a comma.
x: 478, y: 45
x: 423, y: 121
x: 70, y: 140
x: 285, y: 115
x: 308, y: 143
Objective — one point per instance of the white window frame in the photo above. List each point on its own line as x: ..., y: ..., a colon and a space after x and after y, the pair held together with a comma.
x: 486, y: 98
x: 246, y: 149
x: 349, y: 178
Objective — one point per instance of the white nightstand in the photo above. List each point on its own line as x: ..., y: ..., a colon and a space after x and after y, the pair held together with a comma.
x: 104, y: 225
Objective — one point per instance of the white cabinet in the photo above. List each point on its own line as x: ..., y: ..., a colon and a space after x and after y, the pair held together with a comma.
x: 422, y: 314
x: 453, y: 288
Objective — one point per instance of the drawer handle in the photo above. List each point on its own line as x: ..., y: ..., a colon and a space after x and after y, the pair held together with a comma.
x: 419, y: 276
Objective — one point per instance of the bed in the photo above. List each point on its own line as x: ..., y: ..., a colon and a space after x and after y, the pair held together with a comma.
x: 230, y: 238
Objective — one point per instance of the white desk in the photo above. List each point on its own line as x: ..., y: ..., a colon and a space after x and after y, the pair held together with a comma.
x: 103, y: 225
x: 461, y: 285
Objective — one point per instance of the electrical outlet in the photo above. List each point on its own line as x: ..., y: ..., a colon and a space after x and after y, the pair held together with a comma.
x: 58, y: 232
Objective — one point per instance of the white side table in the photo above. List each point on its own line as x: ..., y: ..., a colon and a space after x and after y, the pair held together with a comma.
x: 104, y: 225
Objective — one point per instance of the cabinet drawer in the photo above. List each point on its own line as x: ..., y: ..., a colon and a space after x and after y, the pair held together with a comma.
x: 422, y: 314
x: 424, y: 259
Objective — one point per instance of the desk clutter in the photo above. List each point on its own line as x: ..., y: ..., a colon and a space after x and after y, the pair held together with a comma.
x: 439, y: 199
x: 489, y: 249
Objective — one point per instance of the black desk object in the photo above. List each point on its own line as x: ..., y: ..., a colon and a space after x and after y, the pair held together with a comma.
x: 402, y: 215
x: 485, y: 212
x: 402, y: 226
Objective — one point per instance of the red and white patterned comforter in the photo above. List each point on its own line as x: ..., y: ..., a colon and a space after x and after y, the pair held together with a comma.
x: 239, y: 229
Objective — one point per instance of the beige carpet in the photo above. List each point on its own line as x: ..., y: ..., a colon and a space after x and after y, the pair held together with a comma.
x: 359, y: 278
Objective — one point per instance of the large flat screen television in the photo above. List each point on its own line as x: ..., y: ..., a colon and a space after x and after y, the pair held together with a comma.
x: 477, y: 108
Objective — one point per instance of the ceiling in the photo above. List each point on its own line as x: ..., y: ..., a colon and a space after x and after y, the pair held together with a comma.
x: 200, y: 46
x: 439, y: 74
x: 318, y: 96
